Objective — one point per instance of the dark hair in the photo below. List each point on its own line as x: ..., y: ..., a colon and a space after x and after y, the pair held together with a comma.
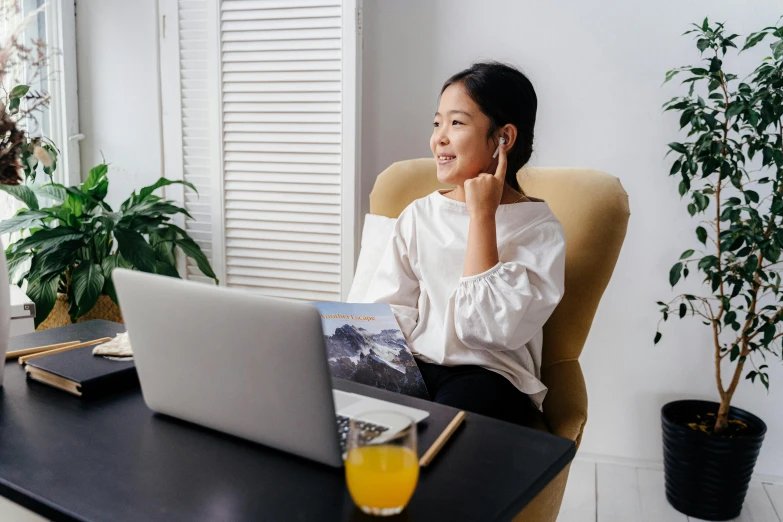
x: 505, y: 95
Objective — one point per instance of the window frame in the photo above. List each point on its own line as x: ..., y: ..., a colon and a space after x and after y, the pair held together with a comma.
x: 63, y: 89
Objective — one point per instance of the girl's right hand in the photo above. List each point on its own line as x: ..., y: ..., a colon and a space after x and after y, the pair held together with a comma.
x: 484, y: 192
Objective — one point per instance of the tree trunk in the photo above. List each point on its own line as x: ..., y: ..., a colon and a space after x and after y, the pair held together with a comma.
x: 722, y: 420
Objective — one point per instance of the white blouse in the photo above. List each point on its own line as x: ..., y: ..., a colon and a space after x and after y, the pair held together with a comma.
x: 492, y: 319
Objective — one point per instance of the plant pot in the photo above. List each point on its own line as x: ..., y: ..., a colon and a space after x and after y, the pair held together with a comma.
x: 105, y: 308
x: 707, y: 476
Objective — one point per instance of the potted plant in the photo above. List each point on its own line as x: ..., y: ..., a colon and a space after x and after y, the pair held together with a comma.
x: 71, y: 247
x: 710, y: 448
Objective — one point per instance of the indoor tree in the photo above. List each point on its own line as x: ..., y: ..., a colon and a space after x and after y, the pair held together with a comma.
x: 730, y: 168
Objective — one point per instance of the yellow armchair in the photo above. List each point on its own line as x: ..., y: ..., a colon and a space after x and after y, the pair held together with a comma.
x: 594, y: 211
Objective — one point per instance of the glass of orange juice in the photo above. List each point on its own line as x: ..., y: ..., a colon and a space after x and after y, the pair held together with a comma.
x: 381, y: 466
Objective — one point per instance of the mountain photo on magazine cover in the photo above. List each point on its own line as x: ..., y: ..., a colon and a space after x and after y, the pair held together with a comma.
x: 364, y: 344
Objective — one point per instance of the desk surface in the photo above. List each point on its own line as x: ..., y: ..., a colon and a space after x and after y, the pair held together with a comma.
x: 111, y: 458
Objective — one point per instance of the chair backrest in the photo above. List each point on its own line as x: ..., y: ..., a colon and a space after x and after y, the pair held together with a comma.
x: 594, y: 211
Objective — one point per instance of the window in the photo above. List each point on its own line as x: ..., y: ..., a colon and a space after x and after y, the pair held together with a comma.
x: 53, y: 23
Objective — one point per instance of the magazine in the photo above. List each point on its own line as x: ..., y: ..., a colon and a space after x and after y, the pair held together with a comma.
x: 364, y: 344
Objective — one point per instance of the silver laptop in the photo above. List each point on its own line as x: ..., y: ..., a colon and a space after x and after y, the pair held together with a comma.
x: 248, y: 365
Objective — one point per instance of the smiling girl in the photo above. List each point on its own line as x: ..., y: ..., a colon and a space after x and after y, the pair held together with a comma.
x: 474, y: 272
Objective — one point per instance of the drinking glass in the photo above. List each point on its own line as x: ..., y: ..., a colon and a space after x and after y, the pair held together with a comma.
x: 382, y: 466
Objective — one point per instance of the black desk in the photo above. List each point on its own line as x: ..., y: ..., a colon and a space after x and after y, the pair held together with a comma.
x: 112, y: 459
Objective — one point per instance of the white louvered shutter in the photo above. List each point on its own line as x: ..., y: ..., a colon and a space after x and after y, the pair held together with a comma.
x: 186, y: 120
x: 284, y: 224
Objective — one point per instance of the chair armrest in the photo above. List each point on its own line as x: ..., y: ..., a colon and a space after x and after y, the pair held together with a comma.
x: 565, y: 404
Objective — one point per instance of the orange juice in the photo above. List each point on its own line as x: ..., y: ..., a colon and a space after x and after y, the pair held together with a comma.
x: 382, y: 477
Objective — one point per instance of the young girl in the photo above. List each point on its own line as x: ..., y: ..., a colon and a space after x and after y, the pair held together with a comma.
x: 473, y: 273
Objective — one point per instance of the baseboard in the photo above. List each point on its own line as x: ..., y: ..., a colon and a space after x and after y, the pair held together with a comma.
x: 656, y: 464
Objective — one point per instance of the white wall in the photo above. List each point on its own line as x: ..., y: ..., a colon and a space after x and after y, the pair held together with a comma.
x: 598, y: 69
x: 117, y: 62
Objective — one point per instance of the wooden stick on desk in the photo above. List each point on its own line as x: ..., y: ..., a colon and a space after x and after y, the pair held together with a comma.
x: 27, y: 351
x: 442, y: 439
x: 26, y: 358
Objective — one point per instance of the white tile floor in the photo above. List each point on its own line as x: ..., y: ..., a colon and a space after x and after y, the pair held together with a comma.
x: 598, y: 492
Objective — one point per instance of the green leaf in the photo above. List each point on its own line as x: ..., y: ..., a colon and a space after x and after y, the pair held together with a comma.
x: 95, y: 176
x: 702, y: 201
x: 753, y: 39
x: 674, y: 274
x: 163, y: 243
x: 671, y: 74
x: 683, y: 310
x: 163, y: 268
x: 18, y: 266
x: 708, y: 262
x: 734, y: 109
x: 56, y: 259
x: 47, y: 238
x: 702, y: 44
x: 109, y: 264
x: 100, y: 190
x: 53, y: 191
x: 113, y: 261
x: 19, y: 91
x: 156, y: 208
x: 701, y: 234
x: 135, y: 249
x: 753, y: 117
x: 678, y: 147
x: 23, y: 220
x: 191, y: 249
x: 87, y: 284
x: 685, y: 118
x: 657, y: 337
x: 23, y: 194
x: 43, y: 292
x: 687, y: 253
x: 162, y: 182
x: 777, y: 49
x: 74, y: 205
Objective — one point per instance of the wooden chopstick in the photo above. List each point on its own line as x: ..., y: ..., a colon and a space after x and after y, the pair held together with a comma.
x: 26, y: 358
x: 27, y: 351
x: 442, y: 439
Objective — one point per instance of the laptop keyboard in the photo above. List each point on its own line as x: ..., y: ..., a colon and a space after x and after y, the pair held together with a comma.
x: 370, y: 431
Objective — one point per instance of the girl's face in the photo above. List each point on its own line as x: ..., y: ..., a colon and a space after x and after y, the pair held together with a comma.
x: 459, y: 138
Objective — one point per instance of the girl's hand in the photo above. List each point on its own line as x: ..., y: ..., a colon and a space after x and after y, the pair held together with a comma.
x: 484, y: 192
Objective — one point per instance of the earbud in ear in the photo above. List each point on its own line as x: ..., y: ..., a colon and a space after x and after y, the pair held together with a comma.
x: 497, y: 151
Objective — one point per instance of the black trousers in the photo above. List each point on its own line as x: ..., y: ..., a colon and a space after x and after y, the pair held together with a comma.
x: 478, y: 390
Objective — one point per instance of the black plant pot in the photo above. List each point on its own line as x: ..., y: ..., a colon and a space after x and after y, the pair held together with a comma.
x: 707, y: 476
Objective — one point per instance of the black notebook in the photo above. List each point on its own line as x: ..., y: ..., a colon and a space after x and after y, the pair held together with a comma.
x: 81, y: 373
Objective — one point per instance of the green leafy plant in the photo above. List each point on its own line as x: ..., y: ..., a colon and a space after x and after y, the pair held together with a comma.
x: 731, y: 173
x: 73, y: 246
